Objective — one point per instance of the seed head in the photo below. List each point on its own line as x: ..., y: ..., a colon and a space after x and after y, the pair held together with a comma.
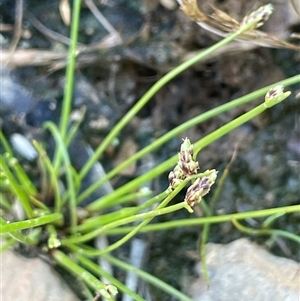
x: 200, y: 188
x: 262, y: 14
x: 275, y: 95
x: 176, y: 176
x: 185, y: 158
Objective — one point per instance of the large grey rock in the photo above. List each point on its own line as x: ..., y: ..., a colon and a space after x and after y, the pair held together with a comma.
x: 244, y: 271
x: 23, y: 279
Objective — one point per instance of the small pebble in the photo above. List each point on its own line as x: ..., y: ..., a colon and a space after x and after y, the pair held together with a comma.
x: 23, y: 146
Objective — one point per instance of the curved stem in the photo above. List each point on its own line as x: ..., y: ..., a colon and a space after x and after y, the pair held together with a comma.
x: 65, y: 261
x: 30, y: 223
x: 148, y: 277
x: 70, y: 69
x: 207, y: 220
x: 153, y: 90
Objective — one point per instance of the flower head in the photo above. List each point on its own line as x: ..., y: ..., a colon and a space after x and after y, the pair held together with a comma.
x: 200, y: 188
x: 275, y: 95
x: 185, y: 158
x: 176, y: 176
x: 262, y: 14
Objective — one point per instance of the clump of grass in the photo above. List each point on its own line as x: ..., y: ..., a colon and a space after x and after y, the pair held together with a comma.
x: 69, y: 234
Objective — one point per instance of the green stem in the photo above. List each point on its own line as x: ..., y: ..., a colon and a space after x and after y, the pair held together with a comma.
x: 148, y: 278
x: 268, y: 221
x: 100, y: 272
x: 61, y: 147
x: 204, y: 238
x: 132, y: 233
x: 276, y: 232
x: 67, y: 263
x: 30, y: 223
x: 30, y: 239
x: 181, y: 128
x: 137, y: 217
x: 206, y: 227
x: 170, y: 162
x: 99, y: 221
x: 143, y: 216
x: 228, y: 127
x: 95, y: 222
x: 16, y: 188
x: 207, y: 220
x: 67, y: 101
x: 153, y: 90
x: 45, y: 161
x: 24, y: 180
x: 131, y: 197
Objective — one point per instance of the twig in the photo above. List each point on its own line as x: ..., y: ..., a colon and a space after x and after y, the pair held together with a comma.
x: 102, y: 20
x: 18, y: 28
x: 48, y: 32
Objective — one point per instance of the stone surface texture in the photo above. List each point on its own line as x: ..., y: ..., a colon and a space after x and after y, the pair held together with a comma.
x: 23, y: 279
x: 244, y: 271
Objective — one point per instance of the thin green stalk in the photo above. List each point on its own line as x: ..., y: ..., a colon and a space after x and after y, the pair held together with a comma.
x: 204, y: 239
x: 67, y: 263
x: 95, y: 222
x: 207, y: 220
x: 30, y: 239
x: 142, y: 216
x: 206, y: 227
x: 39, y: 205
x: 45, y: 161
x: 142, y: 193
x: 24, y: 180
x: 148, y: 278
x: 108, y: 199
x: 183, y: 127
x: 228, y: 127
x: 262, y: 231
x: 16, y: 188
x: 98, y: 221
x: 96, y: 269
x: 153, y: 90
x: 268, y: 221
x: 75, y: 127
x: 136, y: 230
x: 5, y: 144
x: 53, y: 241
x: 220, y: 186
x: 31, y: 223
x: 286, y: 234
x: 68, y: 170
x: 205, y: 208
x: 69, y: 82
x: 68, y: 92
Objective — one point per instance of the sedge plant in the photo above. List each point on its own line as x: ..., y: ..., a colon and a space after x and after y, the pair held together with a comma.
x: 62, y: 223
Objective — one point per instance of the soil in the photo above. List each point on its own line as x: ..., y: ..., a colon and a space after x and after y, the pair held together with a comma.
x: 110, y: 79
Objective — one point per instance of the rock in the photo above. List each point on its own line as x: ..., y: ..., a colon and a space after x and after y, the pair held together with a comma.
x: 244, y: 271
x: 24, y: 279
